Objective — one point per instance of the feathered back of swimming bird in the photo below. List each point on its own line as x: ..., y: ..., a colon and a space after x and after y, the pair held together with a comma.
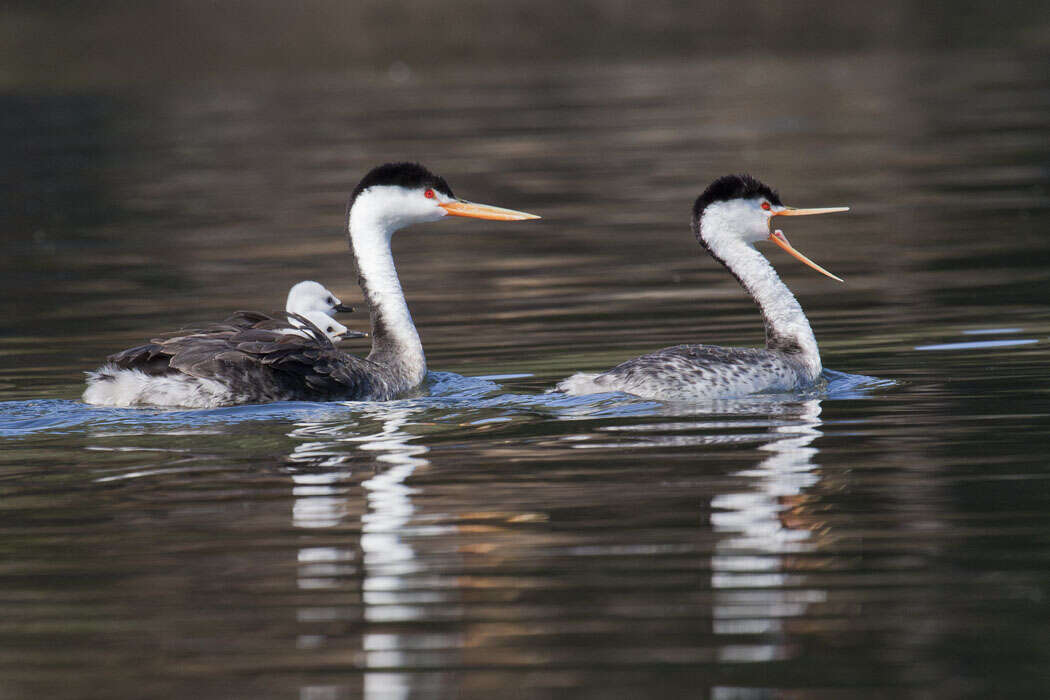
x: 252, y: 354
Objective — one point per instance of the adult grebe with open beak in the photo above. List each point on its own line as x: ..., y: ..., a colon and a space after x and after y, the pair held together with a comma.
x: 732, y: 214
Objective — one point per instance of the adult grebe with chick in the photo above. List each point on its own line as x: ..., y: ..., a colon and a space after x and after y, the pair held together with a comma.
x: 227, y: 364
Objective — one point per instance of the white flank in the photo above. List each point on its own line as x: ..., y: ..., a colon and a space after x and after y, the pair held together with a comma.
x: 112, y: 386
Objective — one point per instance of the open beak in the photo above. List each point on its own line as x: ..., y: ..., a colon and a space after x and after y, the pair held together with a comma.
x: 781, y: 240
x: 484, y: 211
x: 343, y: 308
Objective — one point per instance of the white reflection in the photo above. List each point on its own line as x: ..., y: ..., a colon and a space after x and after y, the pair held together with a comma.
x: 754, y: 594
x: 388, y: 557
x: 383, y: 554
x: 320, y: 496
x: 389, y: 499
x: 320, y: 499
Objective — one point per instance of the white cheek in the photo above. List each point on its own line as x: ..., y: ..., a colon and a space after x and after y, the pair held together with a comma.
x: 392, y: 208
x: 419, y: 209
x: 432, y: 210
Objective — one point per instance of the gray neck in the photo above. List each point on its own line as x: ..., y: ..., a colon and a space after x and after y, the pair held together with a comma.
x: 787, y: 328
x: 395, y: 342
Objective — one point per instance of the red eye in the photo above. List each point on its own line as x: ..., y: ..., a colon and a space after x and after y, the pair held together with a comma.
x: 429, y: 194
x: 765, y: 205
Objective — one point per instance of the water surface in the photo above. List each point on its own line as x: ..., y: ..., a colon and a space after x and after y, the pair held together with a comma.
x: 886, y: 537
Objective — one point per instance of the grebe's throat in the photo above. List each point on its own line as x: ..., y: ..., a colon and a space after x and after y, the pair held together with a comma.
x: 395, y: 341
x: 787, y: 328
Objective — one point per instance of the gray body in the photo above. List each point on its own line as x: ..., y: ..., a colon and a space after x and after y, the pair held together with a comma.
x: 248, y: 358
x: 691, y: 372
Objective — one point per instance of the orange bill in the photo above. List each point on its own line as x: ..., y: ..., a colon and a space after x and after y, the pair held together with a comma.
x: 792, y: 211
x: 484, y: 211
x: 781, y: 240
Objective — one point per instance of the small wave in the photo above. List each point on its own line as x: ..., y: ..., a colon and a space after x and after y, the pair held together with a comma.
x: 842, y: 385
x: 978, y: 344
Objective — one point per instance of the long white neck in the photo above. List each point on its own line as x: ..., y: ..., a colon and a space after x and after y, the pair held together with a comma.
x: 395, y: 342
x: 787, y: 328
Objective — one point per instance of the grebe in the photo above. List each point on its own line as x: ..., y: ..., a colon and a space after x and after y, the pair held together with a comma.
x: 734, y: 212
x: 314, y: 302
x: 242, y: 362
x: 307, y: 300
x: 332, y: 329
x: 307, y: 296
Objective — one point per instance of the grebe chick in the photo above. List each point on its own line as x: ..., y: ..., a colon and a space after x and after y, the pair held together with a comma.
x: 241, y: 362
x: 732, y: 214
x: 307, y: 296
x: 321, y: 321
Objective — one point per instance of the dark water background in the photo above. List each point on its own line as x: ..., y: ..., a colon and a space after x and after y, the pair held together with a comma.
x: 889, y: 537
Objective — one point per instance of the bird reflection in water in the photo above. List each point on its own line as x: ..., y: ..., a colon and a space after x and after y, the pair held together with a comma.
x: 381, y: 560
x: 761, y: 527
x: 760, y: 523
x: 756, y: 586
